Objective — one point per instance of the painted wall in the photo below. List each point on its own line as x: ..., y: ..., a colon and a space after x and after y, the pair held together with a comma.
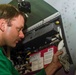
x: 67, y: 8
x: 4, y: 1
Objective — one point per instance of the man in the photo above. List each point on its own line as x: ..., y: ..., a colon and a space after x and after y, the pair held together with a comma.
x: 11, y: 32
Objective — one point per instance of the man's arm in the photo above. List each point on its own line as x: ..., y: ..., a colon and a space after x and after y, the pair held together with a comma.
x: 54, y: 65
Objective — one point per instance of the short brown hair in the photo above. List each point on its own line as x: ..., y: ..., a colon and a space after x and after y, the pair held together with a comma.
x: 8, y: 11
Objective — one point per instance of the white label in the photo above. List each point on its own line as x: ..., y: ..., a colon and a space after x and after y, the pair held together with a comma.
x: 48, y: 56
x: 35, y: 57
x: 40, y: 63
x: 37, y: 64
x: 34, y: 65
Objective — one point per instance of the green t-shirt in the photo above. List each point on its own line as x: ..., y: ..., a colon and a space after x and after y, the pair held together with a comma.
x: 6, y: 67
x: 42, y: 72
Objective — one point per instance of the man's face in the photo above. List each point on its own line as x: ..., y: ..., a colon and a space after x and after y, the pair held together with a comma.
x: 13, y: 34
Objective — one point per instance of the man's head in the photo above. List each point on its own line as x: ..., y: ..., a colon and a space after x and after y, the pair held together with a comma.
x: 11, y: 25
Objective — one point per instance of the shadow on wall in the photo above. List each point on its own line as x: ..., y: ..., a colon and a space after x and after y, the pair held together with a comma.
x: 62, y: 72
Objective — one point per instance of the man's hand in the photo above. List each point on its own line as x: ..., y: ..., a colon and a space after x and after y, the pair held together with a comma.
x: 54, y: 65
x: 55, y: 60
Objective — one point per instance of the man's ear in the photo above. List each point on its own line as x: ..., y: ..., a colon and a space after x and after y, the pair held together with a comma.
x: 2, y: 24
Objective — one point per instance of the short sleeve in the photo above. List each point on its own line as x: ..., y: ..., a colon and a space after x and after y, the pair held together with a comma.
x: 42, y: 72
x: 6, y: 67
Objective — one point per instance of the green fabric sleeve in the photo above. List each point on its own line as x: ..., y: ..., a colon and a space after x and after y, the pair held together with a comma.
x: 42, y: 72
x: 6, y: 67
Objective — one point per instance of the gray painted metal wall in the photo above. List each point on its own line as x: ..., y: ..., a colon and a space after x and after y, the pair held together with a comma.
x: 67, y: 8
x: 5, y: 1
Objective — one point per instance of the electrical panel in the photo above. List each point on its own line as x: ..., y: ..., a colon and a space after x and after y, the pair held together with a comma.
x: 40, y: 37
x: 43, y: 38
x: 44, y: 32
